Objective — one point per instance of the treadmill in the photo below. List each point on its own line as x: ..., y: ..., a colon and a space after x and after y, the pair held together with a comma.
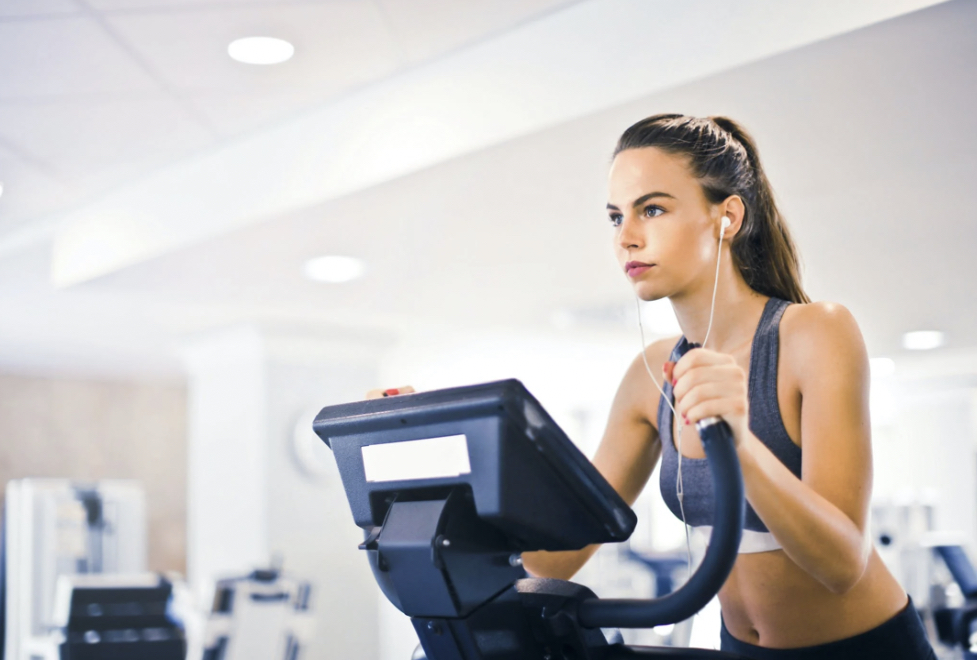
x: 451, y: 486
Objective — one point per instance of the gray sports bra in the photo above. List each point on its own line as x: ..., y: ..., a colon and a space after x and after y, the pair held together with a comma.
x: 765, y: 423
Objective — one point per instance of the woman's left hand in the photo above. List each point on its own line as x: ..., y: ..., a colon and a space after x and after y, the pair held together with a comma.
x: 711, y: 384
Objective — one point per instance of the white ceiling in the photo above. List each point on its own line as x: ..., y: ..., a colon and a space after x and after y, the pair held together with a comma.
x: 95, y: 93
x: 864, y: 135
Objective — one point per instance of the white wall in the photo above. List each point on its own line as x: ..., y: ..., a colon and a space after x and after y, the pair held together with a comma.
x: 575, y: 379
x: 925, y: 437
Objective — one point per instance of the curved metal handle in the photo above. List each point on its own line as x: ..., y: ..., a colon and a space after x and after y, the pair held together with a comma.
x: 727, y: 485
x: 728, y: 512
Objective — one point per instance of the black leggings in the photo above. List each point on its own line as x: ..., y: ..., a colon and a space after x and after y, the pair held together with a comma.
x: 900, y: 638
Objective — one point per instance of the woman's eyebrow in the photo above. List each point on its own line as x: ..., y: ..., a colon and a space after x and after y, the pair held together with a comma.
x: 644, y: 198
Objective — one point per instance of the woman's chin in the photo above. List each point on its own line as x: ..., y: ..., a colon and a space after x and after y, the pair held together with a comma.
x: 647, y: 293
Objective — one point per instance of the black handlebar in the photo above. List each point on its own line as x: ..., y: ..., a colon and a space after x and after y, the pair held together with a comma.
x: 727, y: 484
x: 728, y: 512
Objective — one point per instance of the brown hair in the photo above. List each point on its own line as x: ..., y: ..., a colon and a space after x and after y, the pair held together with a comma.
x: 723, y: 158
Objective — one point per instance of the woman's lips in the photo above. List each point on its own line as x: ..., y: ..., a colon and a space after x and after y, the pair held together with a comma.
x: 637, y: 269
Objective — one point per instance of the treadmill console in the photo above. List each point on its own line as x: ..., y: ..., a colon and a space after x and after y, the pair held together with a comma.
x: 492, y: 441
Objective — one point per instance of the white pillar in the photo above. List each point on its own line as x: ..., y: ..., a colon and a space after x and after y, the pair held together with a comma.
x: 227, y: 496
x: 252, y: 496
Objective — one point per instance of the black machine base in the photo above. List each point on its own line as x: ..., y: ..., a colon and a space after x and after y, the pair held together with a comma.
x: 534, y: 619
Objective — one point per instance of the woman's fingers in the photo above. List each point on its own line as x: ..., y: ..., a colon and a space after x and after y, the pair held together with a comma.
x: 710, y: 408
x: 667, y: 369
x: 712, y: 400
x: 390, y: 391
x: 699, y: 357
x: 726, y: 373
x: 709, y: 384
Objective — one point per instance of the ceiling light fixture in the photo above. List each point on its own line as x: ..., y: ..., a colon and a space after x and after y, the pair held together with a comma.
x: 922, y: 340
x: 1, y: 188
x: 260, y: 50
x: 334, y: 269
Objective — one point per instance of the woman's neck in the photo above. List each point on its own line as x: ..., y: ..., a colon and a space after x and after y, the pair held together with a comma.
x: 737, y: 313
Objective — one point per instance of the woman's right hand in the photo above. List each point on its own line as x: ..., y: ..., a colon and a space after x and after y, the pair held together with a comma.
x: 392, y: 391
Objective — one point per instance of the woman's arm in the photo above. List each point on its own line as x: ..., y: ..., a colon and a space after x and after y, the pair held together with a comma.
x: 626, y: 456
x: 820, y: 519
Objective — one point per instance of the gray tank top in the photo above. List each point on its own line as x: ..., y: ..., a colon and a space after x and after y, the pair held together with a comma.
x: 765, y: 423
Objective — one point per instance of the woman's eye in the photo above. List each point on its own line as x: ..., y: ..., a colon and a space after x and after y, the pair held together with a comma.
x: 653, y: 211
x: 616, y: 219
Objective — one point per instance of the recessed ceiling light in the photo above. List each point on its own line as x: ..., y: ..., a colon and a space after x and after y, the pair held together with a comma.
x: 334, y: 268
x: 260, y: 50
x: 1, y: 188
x: 922, y: 340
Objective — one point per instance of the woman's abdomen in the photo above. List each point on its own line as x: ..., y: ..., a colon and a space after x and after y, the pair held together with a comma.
x: 769, y: 601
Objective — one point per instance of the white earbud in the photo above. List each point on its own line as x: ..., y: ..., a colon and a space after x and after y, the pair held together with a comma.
x: 725, y: 223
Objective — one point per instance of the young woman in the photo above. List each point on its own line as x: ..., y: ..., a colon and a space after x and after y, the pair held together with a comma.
x: 789, y: 376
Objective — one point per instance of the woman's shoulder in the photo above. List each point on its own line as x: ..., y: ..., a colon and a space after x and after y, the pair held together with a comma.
x: 811, y: 320
x: 814, y: 333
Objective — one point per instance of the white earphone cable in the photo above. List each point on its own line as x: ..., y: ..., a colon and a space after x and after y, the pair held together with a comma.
x: 715, y: 284
x: 678, y: 483
x: 679, y: 490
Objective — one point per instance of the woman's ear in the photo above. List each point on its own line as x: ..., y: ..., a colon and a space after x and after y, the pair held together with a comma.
x: 734, y: 209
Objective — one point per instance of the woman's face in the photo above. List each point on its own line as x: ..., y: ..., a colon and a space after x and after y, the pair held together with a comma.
x: 665, y: 230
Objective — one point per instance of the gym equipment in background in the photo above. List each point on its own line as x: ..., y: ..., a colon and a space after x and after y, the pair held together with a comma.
x: 956, y: 623
x: 103, y: 617
x: 663, y: 566
x: 74, y: 555
x: 901, y: 530
x: 262, y: 616
x: 451, y: 486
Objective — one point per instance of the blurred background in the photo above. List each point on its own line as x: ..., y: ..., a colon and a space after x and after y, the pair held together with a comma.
x: 202, y: 244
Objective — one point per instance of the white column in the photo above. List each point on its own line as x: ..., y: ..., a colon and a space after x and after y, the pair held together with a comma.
x: 262, y: 486
x: 227, y: 512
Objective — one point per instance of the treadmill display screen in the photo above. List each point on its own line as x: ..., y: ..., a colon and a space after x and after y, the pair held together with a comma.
x: 430, y: 458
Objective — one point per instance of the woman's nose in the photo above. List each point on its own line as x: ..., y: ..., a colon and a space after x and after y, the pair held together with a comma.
x: 630, y: 236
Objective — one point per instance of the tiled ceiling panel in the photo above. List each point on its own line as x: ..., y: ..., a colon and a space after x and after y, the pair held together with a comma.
x: 125, y: 5
x: 26, y: 190
x: 82, y: 136
x: 95, y: 92
x: 234, y: 114
x: 63, y: 56
x: 25, y: 8
x: 427, y: 28
x: 337, y: 45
